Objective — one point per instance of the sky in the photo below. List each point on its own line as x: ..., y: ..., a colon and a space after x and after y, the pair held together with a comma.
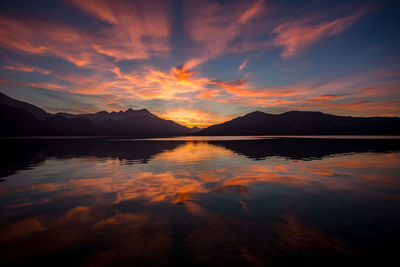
x: 202, y: 62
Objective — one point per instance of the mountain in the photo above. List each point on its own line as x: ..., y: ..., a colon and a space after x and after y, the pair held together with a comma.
x: 18, y: 121
x: 304, y: 123
x: 195, y: 129
x: 129, y: 123
x: 104, y: 115
x: 19, y: 118
x: 39, y: 113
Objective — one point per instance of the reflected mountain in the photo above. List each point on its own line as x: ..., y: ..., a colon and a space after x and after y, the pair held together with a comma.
x: 21, y: 154
x: 307, y: 148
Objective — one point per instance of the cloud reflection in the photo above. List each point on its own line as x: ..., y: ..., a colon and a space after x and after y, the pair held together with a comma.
x: 200, y: 194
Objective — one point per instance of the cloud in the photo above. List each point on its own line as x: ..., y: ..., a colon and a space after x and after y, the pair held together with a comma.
x: 181, y: 73
x: 251, y: 12
x: 44, y: 85
x: 122, y: 57
x: 39, y: 37
x: 100, y: 9
x: 327, y: 97
x: 296, y: 36
x: 139, y: 30
x: 240, y: 88
x: 25, y: 68
x: 136, y: 30
x: 243, y: 65
x: 215, y: 27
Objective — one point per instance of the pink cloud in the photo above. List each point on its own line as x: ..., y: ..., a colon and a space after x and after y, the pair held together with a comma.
x: 39, y: 37
x: 141, y: 31
x: 100, y: 9
x: 295, y: 37
x: 251, y: 12
x: 25, y: 68
x: 136, y: 31
x: 243, y: 65
x: 214, y: 26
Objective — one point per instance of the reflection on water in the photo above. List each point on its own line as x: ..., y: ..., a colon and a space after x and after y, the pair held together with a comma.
x: 275, y: 202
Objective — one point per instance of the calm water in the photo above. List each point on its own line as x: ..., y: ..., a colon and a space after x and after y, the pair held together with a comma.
x: 267, y: 202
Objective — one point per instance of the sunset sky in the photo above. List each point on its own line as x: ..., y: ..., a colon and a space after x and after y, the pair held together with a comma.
x: 202, y: 62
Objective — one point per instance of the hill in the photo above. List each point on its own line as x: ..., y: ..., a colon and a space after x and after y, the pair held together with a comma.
x: 19, y: 118
x: 304, y: 123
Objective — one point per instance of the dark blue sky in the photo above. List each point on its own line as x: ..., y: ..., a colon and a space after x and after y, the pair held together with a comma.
x: 202, y: 62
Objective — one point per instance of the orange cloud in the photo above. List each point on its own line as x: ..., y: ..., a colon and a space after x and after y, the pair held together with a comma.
x: 327, y: 97
x: 181, y: 73
x: 239, y: 87
x: 44, y: 85
x: 362, y: 108
x: 24, y: 68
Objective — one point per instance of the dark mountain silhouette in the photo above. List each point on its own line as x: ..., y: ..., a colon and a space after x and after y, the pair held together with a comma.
x: 104, y: 115
x: 195, y: 129
x: 22, y: 119
x: 150, y: 125
x: 19, y: 118
x: 304, y: 123
x: 17, y: 121
x: 39, y: 113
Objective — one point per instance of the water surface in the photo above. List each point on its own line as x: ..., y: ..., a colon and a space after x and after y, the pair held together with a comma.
x: 259, y: 201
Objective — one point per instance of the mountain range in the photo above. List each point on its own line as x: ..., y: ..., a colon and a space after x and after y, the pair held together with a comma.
x: 18, y: 118
x: 304, y: 123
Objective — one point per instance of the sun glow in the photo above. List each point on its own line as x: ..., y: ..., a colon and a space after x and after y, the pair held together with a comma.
x: 195, y: 117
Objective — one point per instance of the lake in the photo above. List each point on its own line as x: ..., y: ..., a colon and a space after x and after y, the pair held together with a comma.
x: 265, y: 201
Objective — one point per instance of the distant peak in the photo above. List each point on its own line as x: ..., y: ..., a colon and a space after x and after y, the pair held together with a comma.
x: 304, y: 113
x: 301, y: 111
x: 130, y: 110
x: 255, y: 113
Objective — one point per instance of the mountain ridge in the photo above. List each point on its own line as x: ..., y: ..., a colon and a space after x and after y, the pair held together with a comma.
x: 18, y: 118
x: 37, y: 122
x: 304, y: 123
